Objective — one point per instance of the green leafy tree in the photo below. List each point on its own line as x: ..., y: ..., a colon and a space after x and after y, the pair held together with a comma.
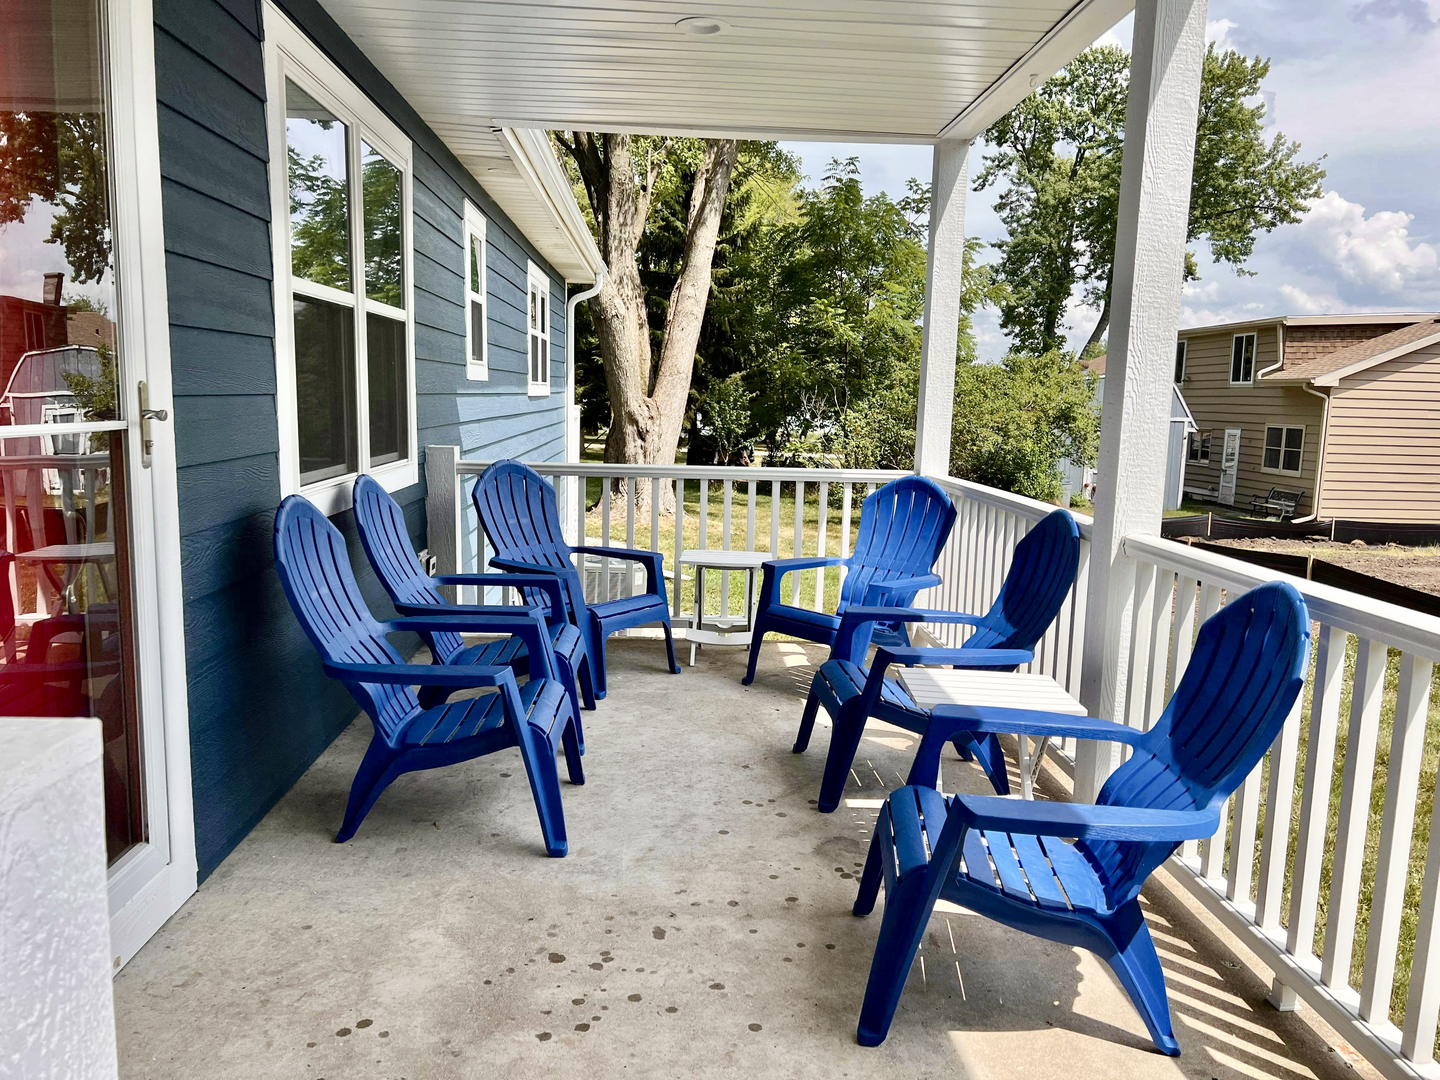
x: 319, y: 221
x: 1058, y: 155
x: 1015, y: 421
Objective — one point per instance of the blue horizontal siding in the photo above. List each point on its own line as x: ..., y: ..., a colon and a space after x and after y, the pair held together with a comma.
x: 261, y: 709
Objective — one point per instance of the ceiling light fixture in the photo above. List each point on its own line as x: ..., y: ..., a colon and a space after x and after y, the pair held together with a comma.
x: 702, y: 26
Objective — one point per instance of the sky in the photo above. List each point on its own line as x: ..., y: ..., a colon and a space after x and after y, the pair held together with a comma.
x: 1354, y: 81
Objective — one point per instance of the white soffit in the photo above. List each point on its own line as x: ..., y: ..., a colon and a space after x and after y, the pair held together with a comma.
x: 829, y: 70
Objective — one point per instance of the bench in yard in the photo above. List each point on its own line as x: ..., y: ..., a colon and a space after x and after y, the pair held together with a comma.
x: 1280, y: 501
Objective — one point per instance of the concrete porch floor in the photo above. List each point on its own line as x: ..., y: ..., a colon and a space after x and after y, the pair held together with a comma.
x: 700, y: 926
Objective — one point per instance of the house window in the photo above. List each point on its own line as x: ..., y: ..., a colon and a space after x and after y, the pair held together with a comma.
x: 1242, y: 360
x: 1284, y: 447
x: 539, y: 324
x: 343, y: 276
x: 1179, y: 363
x: 477, y: 339
x: 1200, y: 447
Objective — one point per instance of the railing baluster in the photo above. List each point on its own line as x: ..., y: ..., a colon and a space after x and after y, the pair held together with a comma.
x: 1279, y: 799
x: 1315, y: 797
x: 1242, y: 838
x: 603, y: 592
x: 725, y: 544
x: 1422, y: 1010
x: 679, y: 542
x: 655, y: 499
x: 822, y: 514
x: 1397, y: 823
x: 750, y: 519
x: 845, y: 506
x: 1360, y: 738
x: 1160, y: 638
x: 799, y: 539
x: 632, y: 498
x: 775, y: 519
x: 1135, y: 698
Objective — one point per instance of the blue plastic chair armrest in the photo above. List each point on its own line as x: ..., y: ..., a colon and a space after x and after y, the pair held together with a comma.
x: 963, y: 658
x: 1083, y: 821
x: 549, y: 584
x: 947, y: 721
x: 804, y: 562
x: 455, y: 611
x: 853, y: 637
x: 881, y: 591
x: 530, y: 568
x: 457, y: 678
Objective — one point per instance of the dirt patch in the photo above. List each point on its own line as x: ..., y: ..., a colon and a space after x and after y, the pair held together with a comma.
x: 1417, y: 567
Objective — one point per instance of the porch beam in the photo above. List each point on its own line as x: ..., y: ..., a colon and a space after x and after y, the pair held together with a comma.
x: 944, y: 266
x: 1166, y: 60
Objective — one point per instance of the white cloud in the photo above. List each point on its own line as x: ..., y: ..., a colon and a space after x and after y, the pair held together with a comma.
x: 1306, y: 303
x: 1217, y: 32
x: 1372, y: 253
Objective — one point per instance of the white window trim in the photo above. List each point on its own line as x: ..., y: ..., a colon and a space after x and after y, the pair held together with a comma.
x: 535, y: 277
x: 1197, y: 439
x: 477, y: 227
x: 1254, y: 359
x: 289, y: 54
x: 1182, y: 361
x: 1264, y: 442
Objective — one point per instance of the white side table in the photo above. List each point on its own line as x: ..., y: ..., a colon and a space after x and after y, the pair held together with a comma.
x: 722, y: 629
x: 932, y: 686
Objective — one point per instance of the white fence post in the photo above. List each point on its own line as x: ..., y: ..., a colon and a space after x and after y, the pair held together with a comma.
x: 943, y: 271
x: 442, y: 510
x: 1168, y: 53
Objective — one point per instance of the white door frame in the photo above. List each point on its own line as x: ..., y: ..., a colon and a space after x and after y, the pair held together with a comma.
x: 150, y: 882
x: 1229, y: 466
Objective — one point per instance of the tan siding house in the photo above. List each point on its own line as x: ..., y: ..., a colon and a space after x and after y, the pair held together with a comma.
x: 1342, y: 408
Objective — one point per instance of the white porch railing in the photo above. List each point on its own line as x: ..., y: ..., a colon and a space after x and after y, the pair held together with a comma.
x: 1323, y: 868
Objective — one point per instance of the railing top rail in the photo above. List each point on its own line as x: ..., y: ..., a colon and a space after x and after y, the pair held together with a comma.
x: 1026, y: 507
x: 697, y: 472
x: 1400, y: 627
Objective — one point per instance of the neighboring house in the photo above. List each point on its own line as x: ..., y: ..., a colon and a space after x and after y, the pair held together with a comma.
x: 1343, y: 409
x: 1182, y: 425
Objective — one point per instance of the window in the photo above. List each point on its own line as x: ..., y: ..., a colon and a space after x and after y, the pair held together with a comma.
x: 1284, y: 448
x: 1179, y: 363
x: 539, y: 323
x: 1200, y: 447
x: 1242, y: 360
x: 477, y: 338
x: 343, y: 274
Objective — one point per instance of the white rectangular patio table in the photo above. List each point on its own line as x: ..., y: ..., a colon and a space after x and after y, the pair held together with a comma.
x: 932, y: 686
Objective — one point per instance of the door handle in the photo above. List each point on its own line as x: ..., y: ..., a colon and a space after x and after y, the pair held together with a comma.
x: 147, y: 414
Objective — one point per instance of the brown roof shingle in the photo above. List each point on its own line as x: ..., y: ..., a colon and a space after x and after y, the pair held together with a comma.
x: 1312, y: 366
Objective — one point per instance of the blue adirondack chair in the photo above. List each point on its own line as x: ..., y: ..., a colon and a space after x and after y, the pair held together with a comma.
x: 381, y: 524
x: 517, y: 509
x: 1008, y: 860
x: 903, y: 526
x: 1040, y: 576
x: 315, y: 571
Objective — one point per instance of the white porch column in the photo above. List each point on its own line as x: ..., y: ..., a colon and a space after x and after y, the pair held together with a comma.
x: 948, y: 180
x: 1168, y: 52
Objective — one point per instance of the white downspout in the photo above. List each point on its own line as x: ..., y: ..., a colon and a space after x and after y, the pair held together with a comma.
x: 1320, y: 457
x: 572, y: 410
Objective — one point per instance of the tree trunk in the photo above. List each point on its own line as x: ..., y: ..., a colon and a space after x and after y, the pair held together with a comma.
x: 1102, y: 326
x: 648, y: 398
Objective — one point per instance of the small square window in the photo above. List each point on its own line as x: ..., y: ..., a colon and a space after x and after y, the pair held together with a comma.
x: 539, y: 331
x: 1200, y: 447
x: 1242, y: 360
x: 1284, y: 449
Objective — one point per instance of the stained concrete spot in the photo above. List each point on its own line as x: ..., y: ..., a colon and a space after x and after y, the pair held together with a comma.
x: 732, y: 903
x: 789, y: 960
x: 658, y: 933
x: 363, y: 1023
x: 754, y: 1027
x: 791, y: 899
x: 829, y: 946
x: 582, y: 1027
x: 597, y: 967
x: 309, y: 1044
x: 671, y: 1009
x: 343, y: 1032
x: 557, y: 958
x: 577, y: 1001
x: 544, y: 1036
x: 717, y: 986
x: 724, y: 832
x: 754, y: 931
x: 384, y: 1034
x: 633, y: 997
x: 307, y: 926
x: 782, y: 815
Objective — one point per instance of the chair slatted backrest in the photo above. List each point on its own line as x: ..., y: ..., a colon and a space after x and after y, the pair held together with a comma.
x: 519, y: 513
x: 1041, y: 574
x: 903, y: 526
x: 1244, y: 676
x: 381, y: 524
x: 314, y: 568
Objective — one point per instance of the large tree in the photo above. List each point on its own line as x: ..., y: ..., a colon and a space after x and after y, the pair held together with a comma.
x: 620, y: 173
x: 1058, y: 156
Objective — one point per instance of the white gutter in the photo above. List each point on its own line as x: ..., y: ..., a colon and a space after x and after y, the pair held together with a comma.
x: 1279, y: 351
x: 572, y: 411
x: 530, y: 150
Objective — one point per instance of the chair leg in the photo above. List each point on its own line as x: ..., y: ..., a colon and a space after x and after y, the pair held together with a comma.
x: 1137, y: 966
x: 871, y: 875
x: 670, y: 648
x: 757, y: 638
x: 597, y: 657
x: 961, y: 743
x: 545, y: 790
x: 587, y: 687
x: 807, y: 722
x: 906, y: 914
x: 570, y: 741
x: 844, y: 744
x: 991, y: 757
x: 377, y: 770
x: 572, y: 691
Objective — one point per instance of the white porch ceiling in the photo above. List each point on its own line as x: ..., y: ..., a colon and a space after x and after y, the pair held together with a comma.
x: 845, y: 70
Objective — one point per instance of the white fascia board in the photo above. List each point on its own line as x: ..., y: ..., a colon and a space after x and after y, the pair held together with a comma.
x: 685, y: 131
x: 534, y: 157
x: 1071, y: 36
x: 1332, y: 378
